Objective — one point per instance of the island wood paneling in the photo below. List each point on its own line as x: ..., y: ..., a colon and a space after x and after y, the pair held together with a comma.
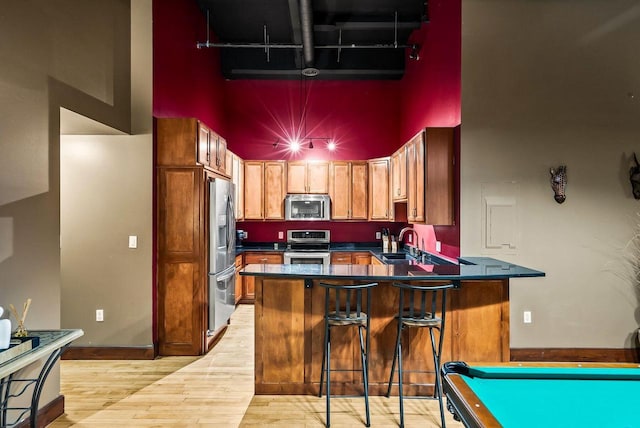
x: 280, y: 334
x: 479, y: 321
x: 477, y: 327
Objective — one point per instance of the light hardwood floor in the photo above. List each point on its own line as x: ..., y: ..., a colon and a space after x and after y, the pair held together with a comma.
x: 215, y: 390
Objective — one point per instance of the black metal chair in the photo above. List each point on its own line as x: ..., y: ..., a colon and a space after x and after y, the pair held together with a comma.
x: 344, y: 308
x: 422, y: 306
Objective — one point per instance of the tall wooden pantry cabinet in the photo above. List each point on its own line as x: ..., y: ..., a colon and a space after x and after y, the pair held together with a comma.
x: 182, y: 174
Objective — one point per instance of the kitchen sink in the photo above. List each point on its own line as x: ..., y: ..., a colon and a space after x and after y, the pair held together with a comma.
x: 395, y: 256
x: 404, y: 258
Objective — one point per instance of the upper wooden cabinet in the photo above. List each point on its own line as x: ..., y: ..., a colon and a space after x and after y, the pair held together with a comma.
x: 237, y: 176
x: 264, y: 190
x: 439, y: 196
x: 308, y: 177
x: 188, y: 142
x: 399, y: 174
x: 212, y: 150
x: 429, y: 177
x: 348, y: 189
x: 380, y: 206
x: 415, y: 179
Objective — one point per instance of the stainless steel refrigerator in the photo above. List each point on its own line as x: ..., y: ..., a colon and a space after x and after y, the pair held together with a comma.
x: 222, y: 248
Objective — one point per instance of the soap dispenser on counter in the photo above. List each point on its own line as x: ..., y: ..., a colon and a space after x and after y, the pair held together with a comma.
x: 394, y: 244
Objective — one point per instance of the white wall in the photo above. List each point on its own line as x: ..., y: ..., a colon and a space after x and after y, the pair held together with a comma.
x: 75, y: 54
x: 106, y: 196
x: 544, y: 84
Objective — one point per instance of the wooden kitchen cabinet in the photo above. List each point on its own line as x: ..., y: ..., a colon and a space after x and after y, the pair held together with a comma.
x: 239, y: 279
x: 182, y: 260
x: 274, y: 190
x: 429, y: 176
x: 237, y: 177
x: 380, y: 205
x: 415, y: 179
x: 264, y: 190
x: 348, y: 189
x: 189, y: 142
x: 308, y: 177
x: 350, y: 258
x: 340, y: 258
x: 361, y: 258
x: 261, y: 258
x: 212, y: 150
x: 439, y: 193
x: 399, y: 174
x: 253, y: 190
x: 376, y: 261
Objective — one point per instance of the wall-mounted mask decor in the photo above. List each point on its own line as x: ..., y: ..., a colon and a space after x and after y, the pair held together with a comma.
x: 559, y: 182
x: 634, y: 177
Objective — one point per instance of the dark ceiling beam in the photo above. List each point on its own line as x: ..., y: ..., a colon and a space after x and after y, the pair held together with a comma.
x: 325, y: 74
x: 366, y: 26
x: 296, y: 28
x: 306, y: 19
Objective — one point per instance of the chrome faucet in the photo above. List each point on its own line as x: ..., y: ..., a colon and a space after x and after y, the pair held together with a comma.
x: 415, y: 235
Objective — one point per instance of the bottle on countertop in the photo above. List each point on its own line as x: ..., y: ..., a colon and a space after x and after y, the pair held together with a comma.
x: 385, y: 240
x: 394, y: 244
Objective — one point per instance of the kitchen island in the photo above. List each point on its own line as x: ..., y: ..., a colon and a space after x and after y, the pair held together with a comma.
x: 289, y: 307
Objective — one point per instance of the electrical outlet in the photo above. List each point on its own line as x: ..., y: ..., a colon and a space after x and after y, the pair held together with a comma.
x: 526, y: 317
x: 99, y: 315
x: 280, y: 235
x: 378, y: 235
x: 438, y: 246
x: 133, y: 241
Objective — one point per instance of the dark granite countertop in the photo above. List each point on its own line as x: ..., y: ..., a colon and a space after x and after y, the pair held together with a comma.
x: 469, y: 268
x: 372, y: 247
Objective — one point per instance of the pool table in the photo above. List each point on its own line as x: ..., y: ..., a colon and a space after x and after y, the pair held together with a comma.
x: 543, y: 394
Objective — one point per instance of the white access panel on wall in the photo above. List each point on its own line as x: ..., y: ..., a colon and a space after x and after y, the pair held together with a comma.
x: 500, y: 224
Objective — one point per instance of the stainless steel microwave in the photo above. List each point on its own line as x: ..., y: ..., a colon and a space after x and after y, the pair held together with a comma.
x: 307, y: 207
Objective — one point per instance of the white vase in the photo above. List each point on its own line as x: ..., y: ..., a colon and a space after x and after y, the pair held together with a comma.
x: 5, y: 333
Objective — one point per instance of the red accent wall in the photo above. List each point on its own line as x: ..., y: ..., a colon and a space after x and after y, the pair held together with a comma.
x: 431, y: 86
x: 340, y: 231
x: 362, y: 117
x: 187, y: 81
x: 431, y: 97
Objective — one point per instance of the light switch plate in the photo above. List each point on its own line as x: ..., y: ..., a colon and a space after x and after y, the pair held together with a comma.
x: 133, y: 241
x: 438, y: 246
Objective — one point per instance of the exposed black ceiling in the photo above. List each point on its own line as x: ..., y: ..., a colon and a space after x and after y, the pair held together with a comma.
x: 341, y: 39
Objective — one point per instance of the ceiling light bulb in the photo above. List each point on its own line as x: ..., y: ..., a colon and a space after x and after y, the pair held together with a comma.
x: 331, y: 146
x: 294, y: 146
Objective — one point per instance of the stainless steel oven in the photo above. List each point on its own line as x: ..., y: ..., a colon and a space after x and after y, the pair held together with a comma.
x: 308, y: 247
x: 299, y: 257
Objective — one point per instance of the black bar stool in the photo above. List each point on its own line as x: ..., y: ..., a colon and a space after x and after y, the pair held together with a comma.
x: 343, y: 307
x: 422, y: 306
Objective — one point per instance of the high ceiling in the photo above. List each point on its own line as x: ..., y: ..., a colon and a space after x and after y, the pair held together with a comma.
x: 338, y: 39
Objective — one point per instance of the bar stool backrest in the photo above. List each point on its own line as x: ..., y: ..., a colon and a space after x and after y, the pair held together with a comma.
x: 422, y: 305
x: 346, y: 304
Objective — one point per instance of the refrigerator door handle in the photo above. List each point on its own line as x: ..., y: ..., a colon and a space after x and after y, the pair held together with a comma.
x: 224, y: 276
x: 231, y: 234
